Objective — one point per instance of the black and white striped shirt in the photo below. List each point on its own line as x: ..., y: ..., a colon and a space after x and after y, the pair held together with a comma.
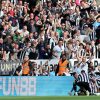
x: 83, y: 77
x: 92, y: 36
x: 81, y: 52
x: 95, y: 52
x: 24, y: 52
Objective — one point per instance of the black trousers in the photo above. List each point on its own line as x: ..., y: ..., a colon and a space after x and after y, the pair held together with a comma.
x: 83, y: 86
x: 24, y: 74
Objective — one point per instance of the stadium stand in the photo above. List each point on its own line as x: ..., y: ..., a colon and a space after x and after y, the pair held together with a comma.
x: 50, y: 38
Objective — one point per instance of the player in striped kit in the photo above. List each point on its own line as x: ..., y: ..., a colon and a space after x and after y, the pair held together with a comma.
x: 81, y: 80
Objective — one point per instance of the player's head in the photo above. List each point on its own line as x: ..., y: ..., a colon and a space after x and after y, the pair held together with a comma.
x: 75, y: 75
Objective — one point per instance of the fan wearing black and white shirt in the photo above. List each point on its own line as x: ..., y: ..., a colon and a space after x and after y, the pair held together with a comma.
x: 81, y: 52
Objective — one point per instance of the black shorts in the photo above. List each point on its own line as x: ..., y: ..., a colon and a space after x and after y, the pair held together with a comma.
x: 84, y: 85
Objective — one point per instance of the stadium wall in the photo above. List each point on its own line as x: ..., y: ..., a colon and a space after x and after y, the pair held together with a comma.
x: 35, y: 86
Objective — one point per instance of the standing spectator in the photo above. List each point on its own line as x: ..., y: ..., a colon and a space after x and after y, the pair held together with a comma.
x: 81, y: 65
x: 93, y: 48
x: 31, y: 26
x: 41, y: 48
x: 58, y: 49
x: 97, y: 35
x: 2, y: 50
x: 47, y: 52
x: 81, y: 52
x: 24, y: 32
x: 33, y: 55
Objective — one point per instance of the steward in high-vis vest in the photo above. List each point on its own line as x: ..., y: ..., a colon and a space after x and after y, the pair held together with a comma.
x: 62, y: 65
x: 26, y: 66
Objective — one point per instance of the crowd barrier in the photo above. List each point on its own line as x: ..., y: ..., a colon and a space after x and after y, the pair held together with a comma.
x: 9, y: 67
x: 35, y: 86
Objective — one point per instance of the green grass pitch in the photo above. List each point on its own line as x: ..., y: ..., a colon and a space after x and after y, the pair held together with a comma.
x: 53, y: 98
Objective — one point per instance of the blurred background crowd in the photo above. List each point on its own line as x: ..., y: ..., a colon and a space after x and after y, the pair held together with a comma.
x: 45, y: 29
x: 50, y: 29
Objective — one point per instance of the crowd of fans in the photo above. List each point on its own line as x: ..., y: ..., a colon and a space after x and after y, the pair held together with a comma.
x: 46, y: 29
x: 50, y: 29
x: 43, y: 30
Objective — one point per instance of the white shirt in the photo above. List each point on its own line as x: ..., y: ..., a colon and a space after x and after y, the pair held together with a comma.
x: 80, y: 68
x: 67, y: 74
x: 1, y: 13
x: 58, y: 50
x: 84, y: 67
x: 52, y: 41
x: 24, y: 33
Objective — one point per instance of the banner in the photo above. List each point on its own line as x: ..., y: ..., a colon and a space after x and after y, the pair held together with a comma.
x: 8, y: 68
x: 35, y: 86
x: 54, y: 63
x: 96, y: 62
